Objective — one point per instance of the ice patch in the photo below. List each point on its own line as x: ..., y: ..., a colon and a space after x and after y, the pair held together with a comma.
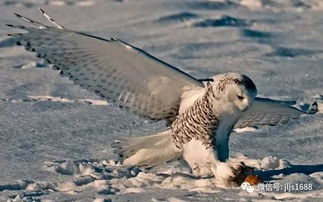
x: 66, y: 100
x: 30, y: 65
x: 252, y: 4
x: 246, y: 129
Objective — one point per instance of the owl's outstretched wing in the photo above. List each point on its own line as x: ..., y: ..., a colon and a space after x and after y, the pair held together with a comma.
x: 113, y: 69
x: 272, y: 112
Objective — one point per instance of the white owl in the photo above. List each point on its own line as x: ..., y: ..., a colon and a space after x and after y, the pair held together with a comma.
x: 200, y: 115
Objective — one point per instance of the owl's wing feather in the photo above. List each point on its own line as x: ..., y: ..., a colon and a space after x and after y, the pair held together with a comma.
x: 113, y: 69
x: 266, y: 111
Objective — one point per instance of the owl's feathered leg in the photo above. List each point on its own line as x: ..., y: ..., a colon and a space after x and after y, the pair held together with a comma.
x: 204, y: 163
x: 199, y: 158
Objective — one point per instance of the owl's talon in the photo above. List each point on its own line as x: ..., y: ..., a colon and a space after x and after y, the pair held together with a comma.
x: 232, y: 174
x: 240, y: 172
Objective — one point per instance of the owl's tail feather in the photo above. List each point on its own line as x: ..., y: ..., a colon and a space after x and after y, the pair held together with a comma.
x: 147, y: 151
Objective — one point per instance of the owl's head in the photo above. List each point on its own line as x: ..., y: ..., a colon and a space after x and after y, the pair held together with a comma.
x: 234, y: 88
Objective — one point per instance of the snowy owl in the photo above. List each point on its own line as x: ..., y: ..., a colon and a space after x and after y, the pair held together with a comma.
x: 200, y: 114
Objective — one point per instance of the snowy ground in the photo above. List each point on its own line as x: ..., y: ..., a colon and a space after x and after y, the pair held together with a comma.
x: 57, y: 148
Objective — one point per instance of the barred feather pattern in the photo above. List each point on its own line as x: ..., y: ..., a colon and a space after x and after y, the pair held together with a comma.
x: 198, y: 122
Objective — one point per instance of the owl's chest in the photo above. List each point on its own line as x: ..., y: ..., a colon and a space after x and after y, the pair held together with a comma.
x: 198, y: 126
x: 205, y: 127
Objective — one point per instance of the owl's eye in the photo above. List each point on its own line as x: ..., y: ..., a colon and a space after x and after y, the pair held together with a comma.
x: 240, y: 97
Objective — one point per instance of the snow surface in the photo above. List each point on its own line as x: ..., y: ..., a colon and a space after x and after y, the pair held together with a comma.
x: 54, y: 136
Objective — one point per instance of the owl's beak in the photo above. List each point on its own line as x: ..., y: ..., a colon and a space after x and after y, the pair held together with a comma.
x: 245, y: 109
x: 245, y: 106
